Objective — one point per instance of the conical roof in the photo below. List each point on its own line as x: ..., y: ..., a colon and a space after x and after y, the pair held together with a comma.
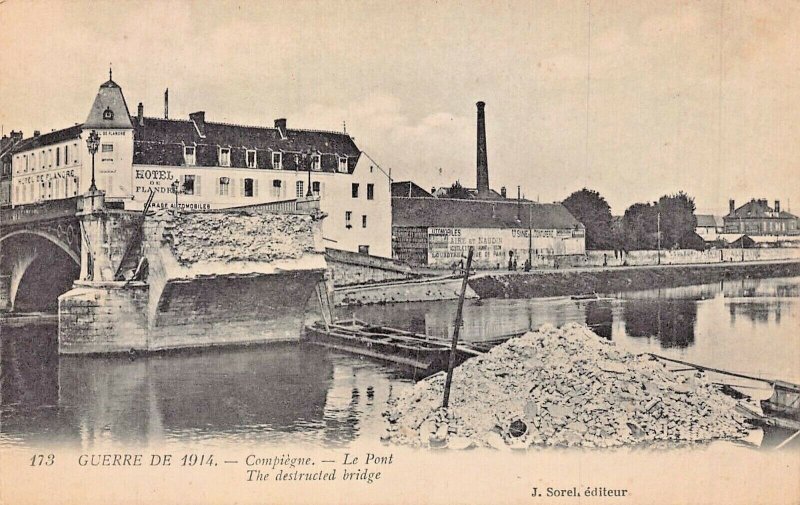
x: 109, y: 109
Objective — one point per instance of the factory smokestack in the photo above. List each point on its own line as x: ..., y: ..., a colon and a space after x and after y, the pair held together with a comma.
x: 166, y: 104
x: 483, y: 164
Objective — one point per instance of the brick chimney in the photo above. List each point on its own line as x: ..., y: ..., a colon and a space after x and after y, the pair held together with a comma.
x: 199, y: 120
x: 731, y: 206
x: 280, y: 125
x: 140, y: 114
x: 778, y: 206
x: 483, y: 163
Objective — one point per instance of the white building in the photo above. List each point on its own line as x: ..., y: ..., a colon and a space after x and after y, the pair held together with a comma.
x: 218, y: 165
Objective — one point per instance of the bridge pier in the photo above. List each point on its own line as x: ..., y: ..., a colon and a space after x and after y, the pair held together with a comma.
x: 213, y: 279
x: 5, y: 293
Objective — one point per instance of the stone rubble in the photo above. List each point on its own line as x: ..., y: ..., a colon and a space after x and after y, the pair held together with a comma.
x: 562, y: 387
x: 239, y: 236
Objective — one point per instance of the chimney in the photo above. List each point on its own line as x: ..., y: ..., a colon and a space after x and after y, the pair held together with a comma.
x: 731, y: 206
x: 16, y: 136
x: 280, y: 125
x: 503, y: 191
x: 36, y: 133
x: 199, y: 120
x: 140, y: 114
x: 778, y: 206
x: 483, y: 163
x: 166, y: 104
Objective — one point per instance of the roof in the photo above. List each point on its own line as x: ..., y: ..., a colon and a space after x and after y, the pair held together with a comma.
x: 758, y: 209
x: 160, y: 141
x: 448, y: 212
x: 709, y: 221
x: 109, y: 109
x: 408, y: 189
x: 54, y: 137
x: 472, y: 193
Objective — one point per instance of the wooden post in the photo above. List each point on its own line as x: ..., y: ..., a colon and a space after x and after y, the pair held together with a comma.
x: 452, y: 364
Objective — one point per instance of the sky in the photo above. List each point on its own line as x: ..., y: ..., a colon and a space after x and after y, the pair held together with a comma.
x: 634, y: 99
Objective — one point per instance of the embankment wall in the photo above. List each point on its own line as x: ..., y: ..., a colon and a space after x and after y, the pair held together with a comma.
x: 674, y: 257
x: 566, y: 282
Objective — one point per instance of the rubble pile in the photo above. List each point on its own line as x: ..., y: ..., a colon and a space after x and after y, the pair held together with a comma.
x: 226, y: 237
x: 562, y: 387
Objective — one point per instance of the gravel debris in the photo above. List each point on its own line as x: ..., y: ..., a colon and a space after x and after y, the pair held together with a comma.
x: 562, y: 387
x: 239, y: 236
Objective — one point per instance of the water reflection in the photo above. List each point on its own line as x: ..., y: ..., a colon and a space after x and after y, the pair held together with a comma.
x: 277, y: 392
x: 671, y: 321
x: 743, y: 325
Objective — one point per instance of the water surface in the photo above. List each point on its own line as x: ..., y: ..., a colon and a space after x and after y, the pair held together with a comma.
x: 301, y: 394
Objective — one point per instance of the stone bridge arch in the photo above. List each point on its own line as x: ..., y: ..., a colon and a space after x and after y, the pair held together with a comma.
x: 16, y: 262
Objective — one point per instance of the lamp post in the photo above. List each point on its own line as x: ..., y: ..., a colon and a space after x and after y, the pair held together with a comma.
x: 93, y: 142
x: 658, y: 234
x: 307, y: 155
x: 176, y: 188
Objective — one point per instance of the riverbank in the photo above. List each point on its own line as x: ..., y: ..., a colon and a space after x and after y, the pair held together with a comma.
x: 537, y: 284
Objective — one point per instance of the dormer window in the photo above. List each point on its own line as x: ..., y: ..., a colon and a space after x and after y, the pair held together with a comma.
x: 189, y: 155
x: 316, y: 162
x: 277, y: 161
x: 343, y: 164
x: 224, y: 156
x: 108, y: 114
x: 251, y: 159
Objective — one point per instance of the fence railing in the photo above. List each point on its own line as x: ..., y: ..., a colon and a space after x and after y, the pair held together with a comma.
x: 51, y: 209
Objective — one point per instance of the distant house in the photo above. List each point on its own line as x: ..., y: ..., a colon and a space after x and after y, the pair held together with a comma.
x: 756, y: 217
x: 438, y: 232
x: 709, y: 226
x: 407, y: 189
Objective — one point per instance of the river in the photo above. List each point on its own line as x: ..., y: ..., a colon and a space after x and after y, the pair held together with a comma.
x: 305, y: 395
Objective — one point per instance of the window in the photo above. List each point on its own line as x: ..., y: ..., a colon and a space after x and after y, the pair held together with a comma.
x: 108, y: 114
x: 58, y: 156
x: 343, y: 164
x: 316, y: 188
x: 107, y: 148
x: 224, y: 156
x: 370, y: 191
x: 248, y: 188
x: 224, y: 186
x: 316, y: 162
x: 188, y: 184
x: 66, y: 155
x: 276, y: 188
x: 277, y: 161
x: 299, y: 189
x: 355, y: 190
x: 363, y: 249
x: 348, y: 216
x: 364, y: 221
x: 251, y: 159
x: 50, y: 158
x: 189, y: 155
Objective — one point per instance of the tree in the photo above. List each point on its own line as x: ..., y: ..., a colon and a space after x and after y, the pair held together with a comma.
x: 457, y: 191
x: 673, y: 214
x: 640, y: 226
x: 678, y: 221
x: 591, y: 209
